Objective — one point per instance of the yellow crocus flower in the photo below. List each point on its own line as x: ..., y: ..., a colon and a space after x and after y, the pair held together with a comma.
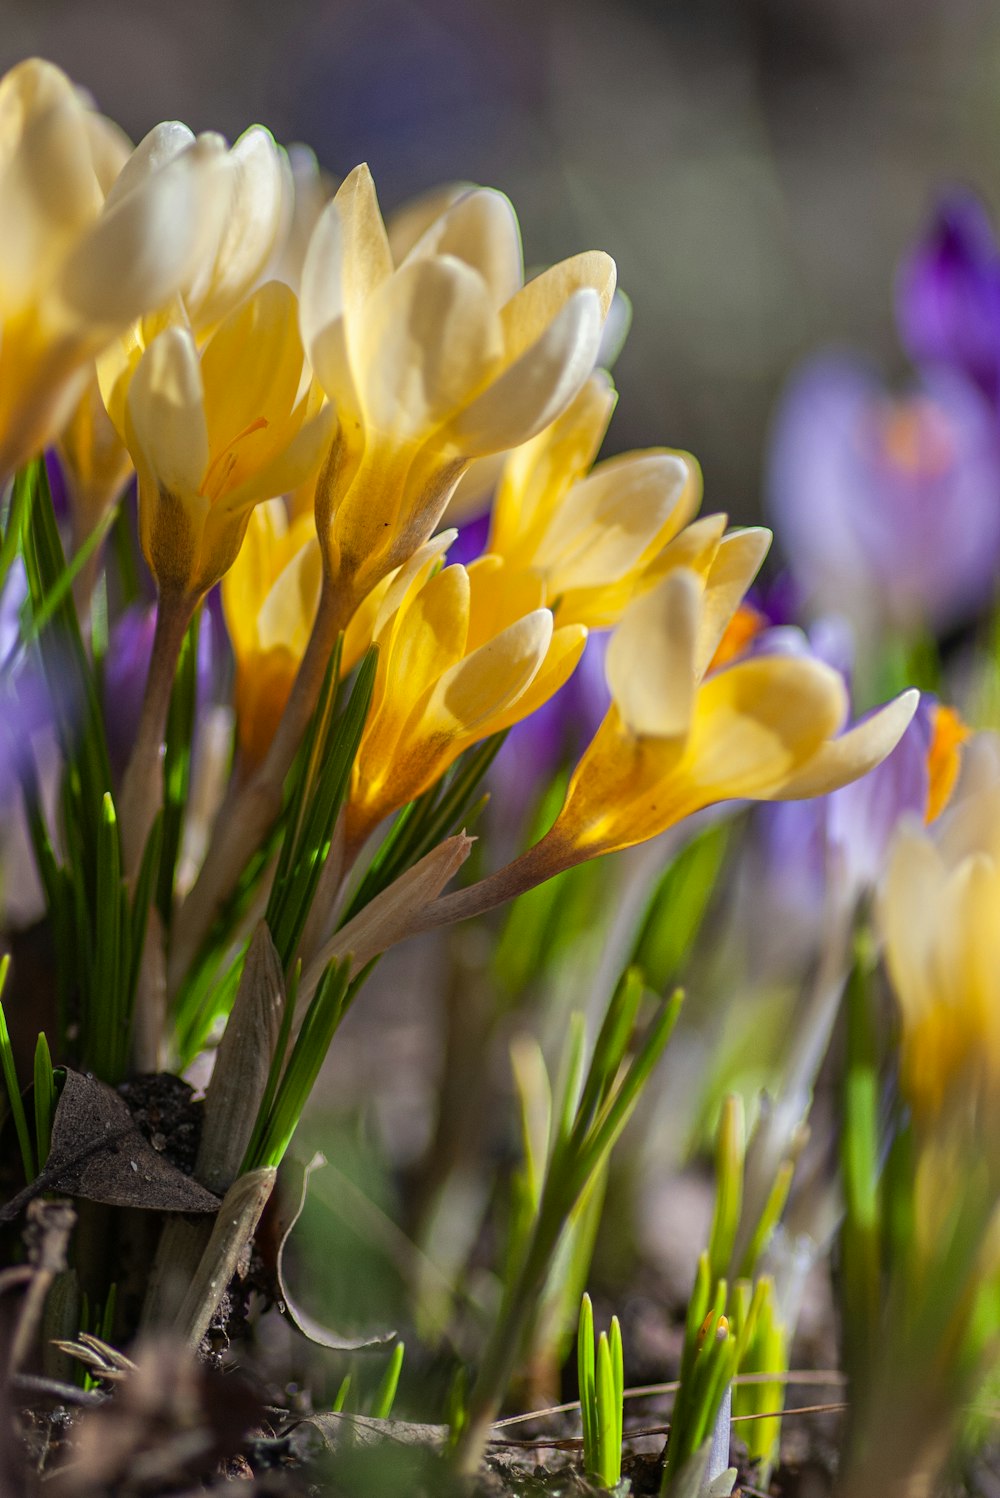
x: 432, y: 362
x: 679, y: 737
x: 593, y: 537
x: 463, y: 653
x: 269, y: 599
x: 241, y: 234
x: 77, y: 266
x: 214, y: 431
x: 939, y: 914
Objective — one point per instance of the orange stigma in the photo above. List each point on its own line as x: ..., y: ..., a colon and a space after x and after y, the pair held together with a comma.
x: 944, y: 758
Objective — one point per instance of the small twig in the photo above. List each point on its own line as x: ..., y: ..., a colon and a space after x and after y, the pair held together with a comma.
x: 572, y: 1443
x: 803, y: 1377
x: 35, y: 1383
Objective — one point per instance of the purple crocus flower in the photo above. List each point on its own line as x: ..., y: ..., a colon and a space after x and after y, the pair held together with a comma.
x: 887, y: 507
x: 948, y: 293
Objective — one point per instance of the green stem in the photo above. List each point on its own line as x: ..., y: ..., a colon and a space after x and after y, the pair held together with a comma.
x: 142, y: 787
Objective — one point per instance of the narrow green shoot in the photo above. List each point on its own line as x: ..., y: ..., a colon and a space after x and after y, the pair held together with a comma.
x: 679, y: 905
x: 385, y: 1394
x: 609, y: 1092
x: 11, y: 1083
x: 342, y: 1395
x: 764, y: 1349
x: 45, y: 1099
x: 730, y: 1156
x: 602, y: 1393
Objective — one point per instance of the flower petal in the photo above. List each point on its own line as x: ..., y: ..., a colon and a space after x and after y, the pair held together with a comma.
x: 532, y: 391
x: 165, y: 417
x: 610, y: 522
x: 249, y: 229
x: 853, y: 754
x: 486, y: 683
x: 527, y: 314
x: 142, y: 249
x: 431, y: 338
x: 481, y: 230
x: 733, y: 569
x: 650, y: 659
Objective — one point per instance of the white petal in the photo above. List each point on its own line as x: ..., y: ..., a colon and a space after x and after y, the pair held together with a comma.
x: 480, y: 228
x: 431, y: 337
x: 162, y: 144
x: 142, y: 249
x: 165, y: 413
x: 249, y: 231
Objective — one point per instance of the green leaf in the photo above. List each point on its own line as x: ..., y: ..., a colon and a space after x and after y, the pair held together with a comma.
x: 385, y: 1395
x: 45, y: 1099
x: 328, y: 761
x: 11, y: 1083
x: 678, y: 907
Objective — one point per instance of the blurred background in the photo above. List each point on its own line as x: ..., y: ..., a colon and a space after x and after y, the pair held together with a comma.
x: 756, y: 167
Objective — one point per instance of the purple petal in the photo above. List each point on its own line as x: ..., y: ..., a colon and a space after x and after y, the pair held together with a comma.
x: 948, y: 293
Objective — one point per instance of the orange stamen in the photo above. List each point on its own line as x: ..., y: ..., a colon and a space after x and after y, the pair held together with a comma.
x: 944, y: 758
x: 745, y: 625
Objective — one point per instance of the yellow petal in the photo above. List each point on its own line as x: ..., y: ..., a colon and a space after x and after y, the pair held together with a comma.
x: 732, y: 570
x: 348, y: 257
x: 537, y: 304
x: 539, y: 471
x: 486, y: 683
x: 610, y: 522
x: 407, y: 223
x: 431, y: 339
x: 532, y: 391
x: 287, y: 615
x: 853, y: 754
x: 562, y: 657
x: 251, y: 368
x: 248, y: 582
x: 481, y: 230
x: 293, y: 460
x: 500, y: 595
x: 650, y: 659
x: 427, y: 638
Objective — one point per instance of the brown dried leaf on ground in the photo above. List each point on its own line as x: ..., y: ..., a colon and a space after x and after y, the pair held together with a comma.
x: 98, y: 1152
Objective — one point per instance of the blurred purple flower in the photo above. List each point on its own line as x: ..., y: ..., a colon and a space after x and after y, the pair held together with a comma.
x: 888, y: 508
x: 948, y: 293
x: 843, y: 838
x: 25, y: 708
